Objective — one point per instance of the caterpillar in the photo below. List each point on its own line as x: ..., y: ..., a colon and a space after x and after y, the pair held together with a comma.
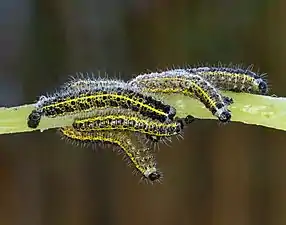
x: 233, y: 79
x: 136, y: 153
x: 123, y: 120
x: 184, y: 82
x: 84, y: 101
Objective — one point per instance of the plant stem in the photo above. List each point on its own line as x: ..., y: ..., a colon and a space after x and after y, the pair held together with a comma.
x: 247, y: 108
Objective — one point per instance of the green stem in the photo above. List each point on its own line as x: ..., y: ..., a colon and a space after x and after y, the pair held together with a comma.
x: 249, y: 109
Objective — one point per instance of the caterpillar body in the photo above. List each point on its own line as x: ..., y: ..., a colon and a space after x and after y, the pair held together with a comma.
x: 83, y: 101
x: 136, y: 153
x: 124, y: 120
x: 184, y: 82
x: 233, y: 79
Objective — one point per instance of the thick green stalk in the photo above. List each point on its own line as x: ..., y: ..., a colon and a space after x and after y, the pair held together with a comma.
x: 247, y: 108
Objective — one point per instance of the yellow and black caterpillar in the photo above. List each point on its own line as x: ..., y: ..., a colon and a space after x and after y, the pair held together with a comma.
x: 123, y: 120
x: 233, y: 79
x: 185, y: 83
x: 136, y: 152
x: 86, y: 100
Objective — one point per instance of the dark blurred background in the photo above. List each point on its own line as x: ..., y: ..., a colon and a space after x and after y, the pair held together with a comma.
x: 219, y: 175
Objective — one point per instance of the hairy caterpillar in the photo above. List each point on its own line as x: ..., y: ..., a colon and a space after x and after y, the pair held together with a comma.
x: 123, y: 120
x: 85, y: 100
x: 136, y: 153
x: 184, y: 82
x: 233, y: 79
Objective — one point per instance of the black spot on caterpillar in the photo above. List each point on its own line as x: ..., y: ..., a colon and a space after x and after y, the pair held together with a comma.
x: 233, y: 79
x: 184, y: 82
x: 84, y: 100
x: 136, y: 153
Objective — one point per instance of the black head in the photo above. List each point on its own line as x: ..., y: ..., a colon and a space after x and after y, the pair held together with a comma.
x: 189, y: 119
x: 34, y: 119
x: 225, y: 116
x: 154, y: 176
x: 263, y: 87
x: 185, y: 121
